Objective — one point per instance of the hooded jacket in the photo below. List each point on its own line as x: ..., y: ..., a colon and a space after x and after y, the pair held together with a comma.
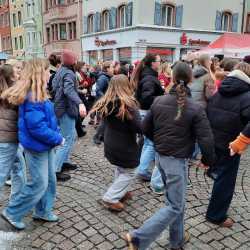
x: 203, y: 86
x: 177, y: 137
x: 229, y: 109
x: 149, y: 87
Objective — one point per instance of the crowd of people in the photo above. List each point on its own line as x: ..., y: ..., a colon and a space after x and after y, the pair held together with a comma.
x: 154, y: 119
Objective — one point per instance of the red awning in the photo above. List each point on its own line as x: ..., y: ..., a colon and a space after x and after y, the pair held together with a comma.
x: 229, y: 45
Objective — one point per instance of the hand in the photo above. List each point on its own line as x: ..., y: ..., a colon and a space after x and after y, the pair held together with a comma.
x: 82, y: 110
x: 232, y: 153
x: 202, y: 166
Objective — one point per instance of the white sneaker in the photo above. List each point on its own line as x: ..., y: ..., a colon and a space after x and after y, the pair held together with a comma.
x: 8, y: 182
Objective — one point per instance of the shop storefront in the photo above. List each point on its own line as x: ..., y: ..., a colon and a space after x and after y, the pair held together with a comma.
x: 133, y: 43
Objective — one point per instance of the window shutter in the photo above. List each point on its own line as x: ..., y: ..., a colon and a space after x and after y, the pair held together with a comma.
x: 218, y: 21
x: 85, y: 25
x: 158, y: 17
x: 179, y: 16
x: 112, y: 18
x: 235, y: 22
x: 97, y: 22
x: 129, y: 14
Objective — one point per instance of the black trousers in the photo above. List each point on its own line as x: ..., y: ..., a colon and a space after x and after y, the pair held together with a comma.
x: 226, y: 169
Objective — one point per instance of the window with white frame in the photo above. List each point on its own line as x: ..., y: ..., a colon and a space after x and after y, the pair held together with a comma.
x: 226, y: 21
x: 105, y: 20
x: 91, y: 23
x: 168, y: 15
x: 121, y: 16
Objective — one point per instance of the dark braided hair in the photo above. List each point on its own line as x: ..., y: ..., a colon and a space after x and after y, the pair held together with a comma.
x: 182, y: 76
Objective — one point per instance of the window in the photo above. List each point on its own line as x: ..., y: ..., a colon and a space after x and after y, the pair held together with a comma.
x: 1, y: 20
x: 34, y: 37
x: 53, y: 31
x: 168, y: 15
x: 48, y: 34
x: 7, y: 22
x: 46, y: 5
x: 63, y: 31
x: 74, y: 30
x: 4, y: 43
x: 105, y: 20
x: 16, y: 44
x: 70, y: 31
x: 61, y: 2
x: 248, y: 23
x: 14, y: 20
x: 226, y: 21
x: 90, y: 23
x: 21, y: 42
x: 19, y: 15
x: 29, y: 39
x: 121, y: 16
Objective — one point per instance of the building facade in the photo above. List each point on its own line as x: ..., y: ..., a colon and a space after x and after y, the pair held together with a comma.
x: 17, y: 30
x: 33, y: 29
x: 246, y: 27
x: 126, y: 30
x: 62, y: 25
x: 5, y: 30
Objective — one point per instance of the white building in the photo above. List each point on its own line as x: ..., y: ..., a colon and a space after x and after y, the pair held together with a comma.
x: 128, y: 29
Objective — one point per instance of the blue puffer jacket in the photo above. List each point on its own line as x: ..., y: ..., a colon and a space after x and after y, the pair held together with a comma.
x: 102, y: 84
x: 37, y: 126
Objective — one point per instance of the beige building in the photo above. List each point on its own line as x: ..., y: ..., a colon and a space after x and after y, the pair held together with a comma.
x: 17, y: 29
x: 128, y: 29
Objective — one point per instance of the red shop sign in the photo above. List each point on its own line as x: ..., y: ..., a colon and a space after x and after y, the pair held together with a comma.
x: 161, y: 52
x: 100, y: 43
x: 198, y: 42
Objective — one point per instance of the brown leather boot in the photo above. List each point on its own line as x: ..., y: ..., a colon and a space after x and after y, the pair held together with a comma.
x: 116, y: 207
x: 127, y: 196
x: 228, y: 223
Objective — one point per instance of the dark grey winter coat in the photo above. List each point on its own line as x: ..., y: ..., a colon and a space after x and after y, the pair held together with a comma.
x: 66, y: 98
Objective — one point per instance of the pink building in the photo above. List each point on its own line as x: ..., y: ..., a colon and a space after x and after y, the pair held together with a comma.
x: 62, y: 24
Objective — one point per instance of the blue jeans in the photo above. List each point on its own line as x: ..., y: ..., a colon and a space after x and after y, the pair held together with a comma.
x: 18, y: 173
x: 174, y: 174
x: 40, y: 190
x: 147, y: 157
x: 226, y: 169
x: 68, y: 130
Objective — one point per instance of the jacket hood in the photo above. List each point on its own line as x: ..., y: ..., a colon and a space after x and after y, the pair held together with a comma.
x: 147, y: 71
x: 236, y: 83
x: 199, y: 71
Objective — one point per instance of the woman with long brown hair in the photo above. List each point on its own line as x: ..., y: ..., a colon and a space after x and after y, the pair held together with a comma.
x: 119, y: 110
x: 174, y: 123
x: 39, y: 135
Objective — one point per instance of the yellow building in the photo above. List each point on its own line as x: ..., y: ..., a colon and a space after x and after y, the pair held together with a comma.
x: 17, y: 30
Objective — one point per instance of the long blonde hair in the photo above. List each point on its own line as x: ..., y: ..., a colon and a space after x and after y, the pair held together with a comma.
x: 33, y: 79
x: 165, y: 68
x: 119, y: 90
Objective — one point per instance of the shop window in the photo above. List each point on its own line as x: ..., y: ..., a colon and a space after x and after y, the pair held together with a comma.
x: 93, y: 57
x: 226, y: 21
x: 105, y: 20
x: 107, y: 55
x: 91, y: 23
x: 121, y: 16
x: 248, y: 23
x: 63, y: 31
x: 168, y: 15
x: 125, y: 55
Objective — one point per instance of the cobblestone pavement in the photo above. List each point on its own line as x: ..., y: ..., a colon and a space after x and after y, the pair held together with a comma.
x: 85, y: 224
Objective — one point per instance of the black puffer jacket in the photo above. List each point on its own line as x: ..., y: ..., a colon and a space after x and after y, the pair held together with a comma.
x: 149, y: 87
x: 120, y: 145
x: 229, y: 109
x: 177, y: 138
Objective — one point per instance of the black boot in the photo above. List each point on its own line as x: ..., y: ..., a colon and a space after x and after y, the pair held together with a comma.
x: 68, y: 166
x: 62, y: 177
